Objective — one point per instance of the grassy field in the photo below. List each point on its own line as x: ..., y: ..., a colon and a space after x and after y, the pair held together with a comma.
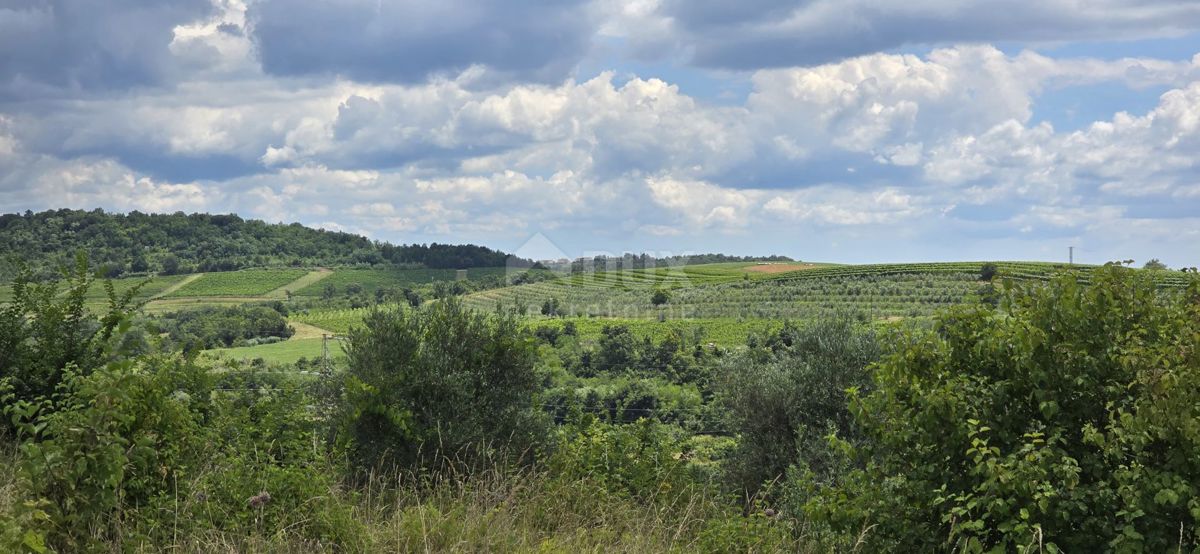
x: 372, y: 279
x: 286, y: 352
x: 249, y: 282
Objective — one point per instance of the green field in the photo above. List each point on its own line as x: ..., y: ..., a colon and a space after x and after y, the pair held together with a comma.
x: 97, y: 295
x: 372, y: 279
x: 248, y: 282
x: 286, y: 352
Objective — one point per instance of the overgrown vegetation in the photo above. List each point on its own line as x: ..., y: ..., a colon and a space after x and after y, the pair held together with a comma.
x: 1057, y: 416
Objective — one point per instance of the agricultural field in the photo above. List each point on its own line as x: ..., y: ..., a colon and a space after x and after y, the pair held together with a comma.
x: 248, y: 282
x: 97, y: 295
x: 876, y: 291
x: 724, y: 332
x: 286, y: 352
x: 371, y: 279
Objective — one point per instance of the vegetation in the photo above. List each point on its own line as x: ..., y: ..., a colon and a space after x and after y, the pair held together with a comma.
x: 1062, y: 419
x: 248, y: 282
x: 223, y: 327
x: 181, y: 243
x: 1043, y: 409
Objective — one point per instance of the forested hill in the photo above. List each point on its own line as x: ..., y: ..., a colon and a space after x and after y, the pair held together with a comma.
x: 187, y: 243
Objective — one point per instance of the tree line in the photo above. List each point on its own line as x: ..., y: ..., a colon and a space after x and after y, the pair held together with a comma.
x: 139, y: 243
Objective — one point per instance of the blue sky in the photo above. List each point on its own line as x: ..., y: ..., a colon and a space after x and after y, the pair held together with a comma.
x: 848, y: 130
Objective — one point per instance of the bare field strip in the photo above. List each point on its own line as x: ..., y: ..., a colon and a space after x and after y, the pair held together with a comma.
x: 778, y: 268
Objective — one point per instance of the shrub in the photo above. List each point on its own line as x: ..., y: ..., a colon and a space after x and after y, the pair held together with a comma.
x: 1063, y: 420
x: 115, y: 438
x: 42, y: 332
x: 988, y: 272
x: 423, y: 385
x: 782, y: 401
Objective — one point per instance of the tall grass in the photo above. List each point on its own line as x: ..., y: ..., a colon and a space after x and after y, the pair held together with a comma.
x: 485, y: 510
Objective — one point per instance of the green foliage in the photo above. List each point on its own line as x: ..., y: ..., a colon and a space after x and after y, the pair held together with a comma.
x: 660, y: 297
x: 1154, y: 264
x: 783, y: 398
x: 115, y: 438
x: 218, y: 327
x: 642, y: 459
x: 1063, y: 420
x: 426, y: 385
x: 550, y: 307
x: 988, y: 272
x: 43, y: 332
x: 178, y: 243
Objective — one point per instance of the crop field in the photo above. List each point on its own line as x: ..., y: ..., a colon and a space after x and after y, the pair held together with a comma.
x: 878, y: 296
x: 97, y: 296
x: 336, y: 320
x: 725, y: 332
x: 372, y: 279
x: 726, y: 290
x: 249, y: 282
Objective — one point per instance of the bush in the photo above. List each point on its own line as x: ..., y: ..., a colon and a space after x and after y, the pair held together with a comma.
x: 442, y: 382
x: 43, y: 332
x: 115, y: 439
x: 987, y: 272
x: 1063, y: 420
x: 783, y: 400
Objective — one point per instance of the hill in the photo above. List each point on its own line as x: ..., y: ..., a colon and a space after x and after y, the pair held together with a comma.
x: 178, y: 243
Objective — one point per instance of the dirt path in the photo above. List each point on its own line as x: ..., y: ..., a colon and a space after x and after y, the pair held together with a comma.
x: 294, y: 286
x: 177, y: 286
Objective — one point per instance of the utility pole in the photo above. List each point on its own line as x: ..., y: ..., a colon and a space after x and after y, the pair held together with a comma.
x: 325, y: 351
x: 1071, y: 255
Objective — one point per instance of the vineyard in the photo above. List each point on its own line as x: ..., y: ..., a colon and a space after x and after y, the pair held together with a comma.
x: 371, y: 280
x: 248, y: 282
x: 874, y: 291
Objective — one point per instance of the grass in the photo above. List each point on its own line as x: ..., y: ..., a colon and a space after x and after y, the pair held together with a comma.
x: 495, y: 510
x: 286, y: 352
x: 248, y: 282
x: 372, y: 279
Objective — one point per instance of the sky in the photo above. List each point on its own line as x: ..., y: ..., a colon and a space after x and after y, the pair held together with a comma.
x: 826, y: 130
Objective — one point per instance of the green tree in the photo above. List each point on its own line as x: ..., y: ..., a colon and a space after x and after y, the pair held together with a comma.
x: 988, y: 272
x: 444, y: 381
x: 1154, y: 264
x: 660, y: 297
x: 1064, y: 419
x: 783, y: 400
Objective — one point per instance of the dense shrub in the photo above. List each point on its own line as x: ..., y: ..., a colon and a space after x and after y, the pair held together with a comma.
x: 115, y: 438
x: 783, y: 398
x: 222, y: 327
x: 1064, y: 419
x: 423, y: 386
x: 45, y: 330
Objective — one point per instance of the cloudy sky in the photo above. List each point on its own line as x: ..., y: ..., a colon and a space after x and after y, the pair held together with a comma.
x: 837, y: 130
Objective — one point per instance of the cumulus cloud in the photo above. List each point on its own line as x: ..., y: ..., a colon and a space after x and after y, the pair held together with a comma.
x: 781, y: 33
x: 492, y: 140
